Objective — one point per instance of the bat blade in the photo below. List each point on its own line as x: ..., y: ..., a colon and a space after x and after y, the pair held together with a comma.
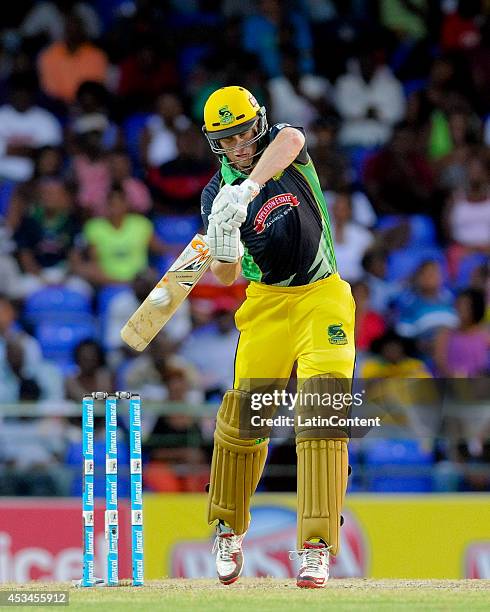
x: 182, y: 276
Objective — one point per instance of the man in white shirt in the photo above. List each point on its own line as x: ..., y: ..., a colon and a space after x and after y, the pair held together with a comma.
x: 24, y: 128
x: 370, y: 100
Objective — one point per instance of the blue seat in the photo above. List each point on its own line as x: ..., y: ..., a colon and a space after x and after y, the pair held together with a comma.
x: 403, y: 263
x: 6, y: 191
x: 56, y: 304
x: 174, y: 229
x: 58, y: 340
x: 467, y: 266
x: 357, y: 156
x: 422, y: 231
x: 133, y: 127
x: 422, y: 228
x: 107, y: 294
x: 398, y: 466
x: 104, y: 299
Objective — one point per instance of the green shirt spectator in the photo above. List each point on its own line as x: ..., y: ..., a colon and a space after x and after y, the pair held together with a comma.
x: 121, y: 251
x: 118, y: 244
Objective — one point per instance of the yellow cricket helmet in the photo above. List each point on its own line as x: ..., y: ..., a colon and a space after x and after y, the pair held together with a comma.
x: 229, y: 111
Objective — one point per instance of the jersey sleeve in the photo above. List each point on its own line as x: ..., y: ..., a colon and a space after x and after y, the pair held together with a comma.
x: 303, y: 156
x: 207, y: 197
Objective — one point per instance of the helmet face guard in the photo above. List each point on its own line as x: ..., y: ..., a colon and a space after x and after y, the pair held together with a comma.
x: 260, y: 122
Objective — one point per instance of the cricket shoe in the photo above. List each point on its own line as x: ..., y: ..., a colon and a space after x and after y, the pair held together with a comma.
x: 229, y: 554
x: 313, y: 573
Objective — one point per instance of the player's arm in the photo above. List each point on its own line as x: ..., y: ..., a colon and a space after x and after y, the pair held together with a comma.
x: 278, y: 155
x: 226, y: 273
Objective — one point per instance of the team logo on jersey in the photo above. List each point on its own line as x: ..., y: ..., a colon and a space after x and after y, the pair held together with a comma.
x: 336, y: 335
x: 283, y: 199
x: 225, y: 115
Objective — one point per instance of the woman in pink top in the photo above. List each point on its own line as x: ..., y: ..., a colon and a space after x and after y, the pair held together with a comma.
x: 464, y: 352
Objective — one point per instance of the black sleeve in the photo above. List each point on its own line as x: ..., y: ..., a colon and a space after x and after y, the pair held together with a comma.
x: 303, y: 157
x: 207, y: 197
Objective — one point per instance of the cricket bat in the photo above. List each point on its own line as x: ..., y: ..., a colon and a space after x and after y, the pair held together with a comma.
x: 184, y: 273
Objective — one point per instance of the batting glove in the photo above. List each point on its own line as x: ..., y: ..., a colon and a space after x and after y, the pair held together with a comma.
x: 230, y: 205
x: 224, y: 244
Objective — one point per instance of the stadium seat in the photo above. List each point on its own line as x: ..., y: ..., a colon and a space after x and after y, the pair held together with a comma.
x: 6, y: 191
x: 56, y: 304
x: 357, y: 157
x: 422, y: 231
x: 58, y: 340
x: 398, y: 466
x: 422, y: 228
x: 133, y: 127
x: 104, y: 299
x: 402, y: 263
x: 177, y: 229
x: 467, y: 265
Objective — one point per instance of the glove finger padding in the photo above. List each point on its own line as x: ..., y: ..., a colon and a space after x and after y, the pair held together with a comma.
x: 224, y: 244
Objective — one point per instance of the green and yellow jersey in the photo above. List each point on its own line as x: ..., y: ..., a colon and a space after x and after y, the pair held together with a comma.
x: 287, y: 235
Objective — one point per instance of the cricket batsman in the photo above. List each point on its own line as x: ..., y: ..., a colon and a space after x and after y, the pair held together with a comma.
x: 266, y: 217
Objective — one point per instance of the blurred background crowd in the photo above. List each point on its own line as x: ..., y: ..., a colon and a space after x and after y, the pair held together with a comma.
x: 102, y: 164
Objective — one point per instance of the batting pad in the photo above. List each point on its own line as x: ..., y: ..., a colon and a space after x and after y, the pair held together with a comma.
x: 322, y: 482
x: 236, y: 466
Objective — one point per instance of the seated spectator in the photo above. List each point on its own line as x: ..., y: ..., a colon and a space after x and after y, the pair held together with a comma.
x: 92, y: 102
x: 392, y: 357
x: 211, y: 348
x: 294, y: 95
x: 90, y: 165
x: 49, y: 163
x: 464, y: 352
x: 178, y: 184
x: 370, y: 325
x: 398, y: 179
x: 24, y: 129
x: 271, y: 23
x: 369, y: 100
x: 331, y: 163
x: 351, y: 239
x: 45, y: 238
x: 469, y: 213
x: 382, y: 293
x: 117, y: 245
x: 136, y: 191
x: 96, y: 171
x: 47, y: 18
x: 67, y: 63
x: 152, y: 370
x: 159, y: 138
x: 24, y: 374
x: 145, y: 73
x: 92, y: 372
x: 452, y: 169
x: 176, y: 439
x: 459, y: 30
x: 426, y: 306
x: 17, y: 382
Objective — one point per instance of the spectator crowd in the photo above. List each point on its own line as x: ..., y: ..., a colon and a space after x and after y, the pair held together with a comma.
x: 102, y: 164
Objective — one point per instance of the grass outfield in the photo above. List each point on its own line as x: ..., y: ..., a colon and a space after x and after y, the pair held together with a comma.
x: 270, y: 594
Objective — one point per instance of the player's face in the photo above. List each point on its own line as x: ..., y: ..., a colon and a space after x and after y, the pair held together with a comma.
x: 238, y: 152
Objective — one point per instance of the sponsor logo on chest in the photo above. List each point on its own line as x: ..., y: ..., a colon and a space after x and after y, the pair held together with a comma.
x: 283, y: 199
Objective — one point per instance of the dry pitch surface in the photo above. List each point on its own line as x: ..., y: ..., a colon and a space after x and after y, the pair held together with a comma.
x: 264, y: 594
